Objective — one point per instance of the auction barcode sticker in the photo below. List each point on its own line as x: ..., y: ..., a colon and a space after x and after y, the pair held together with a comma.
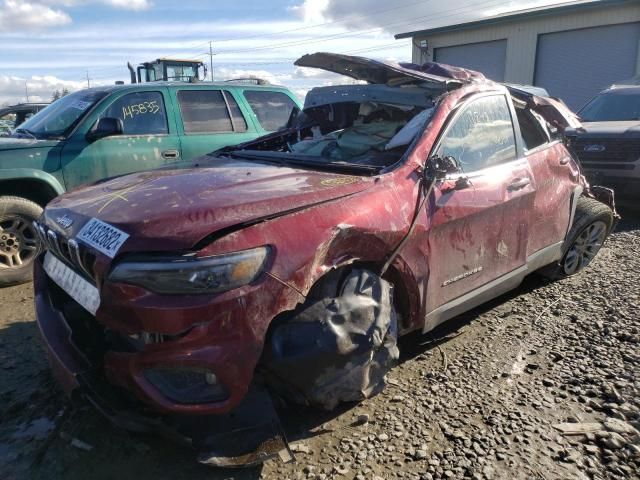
x: 103, y: 237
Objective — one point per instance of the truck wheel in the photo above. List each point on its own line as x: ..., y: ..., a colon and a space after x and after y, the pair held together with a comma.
x: 338, y: 348
x: 590, y: 228
x: 19, y: 243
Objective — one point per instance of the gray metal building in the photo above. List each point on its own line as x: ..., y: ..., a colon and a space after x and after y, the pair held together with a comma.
x: 573, y: 49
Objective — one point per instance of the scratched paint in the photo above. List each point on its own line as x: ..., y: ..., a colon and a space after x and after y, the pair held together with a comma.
x: 313, y: 222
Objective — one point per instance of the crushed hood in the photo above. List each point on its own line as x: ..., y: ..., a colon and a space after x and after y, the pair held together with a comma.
x: 166, y: 210
x: 375, y: 71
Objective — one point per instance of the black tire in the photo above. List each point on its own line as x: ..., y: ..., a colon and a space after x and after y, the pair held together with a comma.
x: 592, y: 222
x: 19, y: 243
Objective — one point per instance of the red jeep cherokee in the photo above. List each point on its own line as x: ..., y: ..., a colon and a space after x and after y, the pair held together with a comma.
x: 291, y: 263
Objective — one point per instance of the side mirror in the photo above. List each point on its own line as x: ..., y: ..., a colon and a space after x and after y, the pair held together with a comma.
x: 438, y: 168
x: 105, y: 127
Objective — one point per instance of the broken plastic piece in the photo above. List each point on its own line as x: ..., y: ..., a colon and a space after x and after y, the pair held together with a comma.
x: 337, y: 349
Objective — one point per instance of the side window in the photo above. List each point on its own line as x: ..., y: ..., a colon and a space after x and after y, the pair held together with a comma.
x: 239, y: 123
x: 204, y: 111
x: 533, y: 134
x: 482, y: 135
x: 272, y: 109
x: 142, y: 113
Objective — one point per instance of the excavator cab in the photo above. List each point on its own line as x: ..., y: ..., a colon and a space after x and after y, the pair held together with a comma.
x: 168, y: 69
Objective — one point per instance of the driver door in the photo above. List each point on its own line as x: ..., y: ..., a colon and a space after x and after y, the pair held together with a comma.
x: 149, y: 139
x: 480, y: 216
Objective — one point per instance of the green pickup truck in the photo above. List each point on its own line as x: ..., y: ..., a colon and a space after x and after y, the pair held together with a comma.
x: 108, y: 131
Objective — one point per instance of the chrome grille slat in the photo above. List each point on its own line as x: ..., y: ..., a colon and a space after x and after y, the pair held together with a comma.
x: 618, y: 151
x: 69, y: 251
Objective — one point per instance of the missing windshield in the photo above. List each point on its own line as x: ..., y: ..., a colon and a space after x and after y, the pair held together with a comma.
x: 369, y: 135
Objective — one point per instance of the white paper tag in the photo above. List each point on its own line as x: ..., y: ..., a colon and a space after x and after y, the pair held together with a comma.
x: 103, y: 237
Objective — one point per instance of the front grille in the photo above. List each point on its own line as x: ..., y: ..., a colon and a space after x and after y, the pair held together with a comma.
x: 606, y: 150
x: 69, y: 251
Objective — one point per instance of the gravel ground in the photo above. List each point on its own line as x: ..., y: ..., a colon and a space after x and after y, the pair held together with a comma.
x: 540, y: 384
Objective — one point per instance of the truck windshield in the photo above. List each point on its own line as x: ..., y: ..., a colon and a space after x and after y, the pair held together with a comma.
x: 611, y: 107
x: 61, y: 116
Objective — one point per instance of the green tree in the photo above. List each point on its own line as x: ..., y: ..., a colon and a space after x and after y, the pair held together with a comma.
x: 56, y: 95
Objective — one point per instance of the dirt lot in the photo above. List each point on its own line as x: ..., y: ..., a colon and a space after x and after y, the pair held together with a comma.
x: 478, y: 398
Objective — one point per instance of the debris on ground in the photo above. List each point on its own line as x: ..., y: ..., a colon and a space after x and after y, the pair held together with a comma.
x: 572, y: 411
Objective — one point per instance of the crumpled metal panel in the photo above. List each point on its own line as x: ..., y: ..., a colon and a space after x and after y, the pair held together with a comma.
x: 337, y: 349
x: 376, y: 71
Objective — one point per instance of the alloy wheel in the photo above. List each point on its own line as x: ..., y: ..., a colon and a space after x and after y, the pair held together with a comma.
x: 585, y: 247
x: 19, y: 243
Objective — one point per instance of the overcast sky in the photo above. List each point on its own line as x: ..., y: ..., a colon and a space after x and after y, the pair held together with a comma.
x: 50, y: 44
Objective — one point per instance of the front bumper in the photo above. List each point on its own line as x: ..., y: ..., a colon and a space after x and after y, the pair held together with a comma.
x: 626, y: 185
x: 227, y: 342
x: 243, y: 430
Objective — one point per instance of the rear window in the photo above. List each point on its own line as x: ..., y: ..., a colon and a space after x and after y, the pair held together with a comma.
x: 210, y: 111
x: 272, y: 109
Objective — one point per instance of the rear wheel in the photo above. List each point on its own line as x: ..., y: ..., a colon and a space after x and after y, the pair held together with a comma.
x: 592, y: 223
x: 19, y: 243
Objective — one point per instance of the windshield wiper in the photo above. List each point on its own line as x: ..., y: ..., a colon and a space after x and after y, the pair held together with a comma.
x: 301, y: 160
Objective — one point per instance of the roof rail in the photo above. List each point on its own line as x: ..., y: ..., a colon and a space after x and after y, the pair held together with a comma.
x: 249, y: 81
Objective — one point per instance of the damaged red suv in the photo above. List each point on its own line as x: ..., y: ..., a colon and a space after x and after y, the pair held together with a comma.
x: 185, y: 299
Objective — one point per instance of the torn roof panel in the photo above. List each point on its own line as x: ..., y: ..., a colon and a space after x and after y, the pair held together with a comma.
x: 390, y: 73
x: 411, y: 96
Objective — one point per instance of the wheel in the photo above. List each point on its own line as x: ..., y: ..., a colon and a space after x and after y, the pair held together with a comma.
x: 337, y: 348
x: 19, y: 243
x: 591, y: 225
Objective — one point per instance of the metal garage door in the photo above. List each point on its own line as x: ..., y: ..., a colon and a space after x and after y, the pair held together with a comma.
x: 485, y: 57
x: 577, y: 64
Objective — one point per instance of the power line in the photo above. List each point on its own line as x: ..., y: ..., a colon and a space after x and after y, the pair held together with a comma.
x: 333, y: 22
x: 356, y: 33
x: 361, y: 32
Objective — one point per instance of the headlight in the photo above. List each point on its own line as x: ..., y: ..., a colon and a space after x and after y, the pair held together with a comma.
x: 190, y: 276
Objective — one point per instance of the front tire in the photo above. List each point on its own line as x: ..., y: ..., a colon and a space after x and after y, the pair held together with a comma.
x: 591, y: 225
x: 19, y: 242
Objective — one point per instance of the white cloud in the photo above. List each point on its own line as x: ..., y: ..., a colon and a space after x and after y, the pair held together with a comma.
x: 18, y: 15
x: 406, y: 15
x: 40, y: 89
x: 230, y: 73
x: 129, y: 4
x: 311, y: 11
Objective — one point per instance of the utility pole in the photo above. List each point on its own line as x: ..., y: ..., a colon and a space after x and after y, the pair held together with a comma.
x: 26, y: 90
x: 211, y: 58
x: 88, y: 79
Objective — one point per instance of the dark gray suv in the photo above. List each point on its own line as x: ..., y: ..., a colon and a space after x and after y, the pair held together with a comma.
x: 609, y: 144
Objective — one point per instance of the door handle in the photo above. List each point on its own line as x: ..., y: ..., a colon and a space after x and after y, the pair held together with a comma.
x: 170, y: 154
x: 518, y: 184
x: 565, y: 160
